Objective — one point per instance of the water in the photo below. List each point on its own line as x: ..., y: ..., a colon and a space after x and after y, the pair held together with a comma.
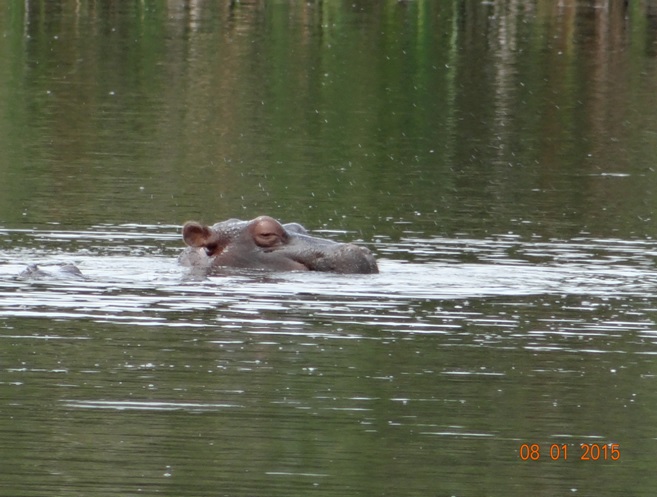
x: 497, y: 157
x: 153, y: 379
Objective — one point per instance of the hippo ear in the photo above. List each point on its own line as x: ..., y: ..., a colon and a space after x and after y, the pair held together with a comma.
x: 195, y: 234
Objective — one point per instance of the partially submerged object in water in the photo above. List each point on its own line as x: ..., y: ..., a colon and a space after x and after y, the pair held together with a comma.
x: 53, y: 272
x: 265, y: 243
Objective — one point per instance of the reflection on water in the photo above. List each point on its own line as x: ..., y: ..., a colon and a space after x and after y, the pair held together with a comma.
x: 475, y: 117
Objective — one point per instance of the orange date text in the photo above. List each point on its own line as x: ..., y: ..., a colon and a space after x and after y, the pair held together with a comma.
x: 564, y: 452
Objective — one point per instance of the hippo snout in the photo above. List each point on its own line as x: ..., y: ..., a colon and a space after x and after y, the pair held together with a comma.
x: 346, y: 258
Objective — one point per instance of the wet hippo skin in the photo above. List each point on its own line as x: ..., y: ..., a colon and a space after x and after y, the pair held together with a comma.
x: 53, y: 272
x: 265, y: 243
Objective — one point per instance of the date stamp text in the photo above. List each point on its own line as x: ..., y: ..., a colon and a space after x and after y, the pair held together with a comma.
x: 566, y: 452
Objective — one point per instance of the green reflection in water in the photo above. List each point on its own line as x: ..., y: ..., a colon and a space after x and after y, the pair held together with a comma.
x: 454, y: 116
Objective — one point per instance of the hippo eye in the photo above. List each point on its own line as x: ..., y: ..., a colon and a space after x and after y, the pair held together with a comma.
x: 267, y: 232
x: 267, y: 239
x: 210, y: 249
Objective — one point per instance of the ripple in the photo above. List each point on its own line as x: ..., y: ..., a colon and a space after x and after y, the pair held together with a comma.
x: 493, y: 292
x: 145, y: 406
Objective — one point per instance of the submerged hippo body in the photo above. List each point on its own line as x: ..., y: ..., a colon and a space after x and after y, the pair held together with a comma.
x: 264, y: 243
x: 54, y: 272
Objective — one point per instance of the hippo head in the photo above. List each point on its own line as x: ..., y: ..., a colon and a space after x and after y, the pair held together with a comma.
x: 265, y: 243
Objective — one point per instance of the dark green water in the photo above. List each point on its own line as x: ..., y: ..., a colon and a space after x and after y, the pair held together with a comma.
x: 497, y: 157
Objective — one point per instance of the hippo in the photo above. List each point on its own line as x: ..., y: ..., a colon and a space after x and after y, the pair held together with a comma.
x: 55, y: 272
x: 265, y: 243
